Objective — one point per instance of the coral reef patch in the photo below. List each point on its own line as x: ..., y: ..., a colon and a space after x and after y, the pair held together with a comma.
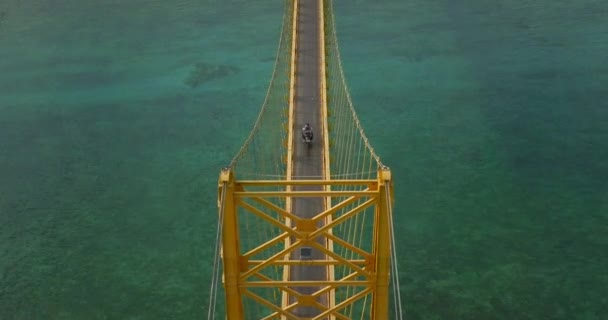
x: 205, y: 72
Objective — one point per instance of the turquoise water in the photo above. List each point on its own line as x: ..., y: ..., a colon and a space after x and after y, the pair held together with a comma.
x: 116, y: 116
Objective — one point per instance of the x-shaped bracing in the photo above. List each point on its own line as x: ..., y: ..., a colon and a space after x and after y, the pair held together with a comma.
x: 306, y: 233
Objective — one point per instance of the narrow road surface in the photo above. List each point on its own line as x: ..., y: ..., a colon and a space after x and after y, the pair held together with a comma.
x: 308, y: 159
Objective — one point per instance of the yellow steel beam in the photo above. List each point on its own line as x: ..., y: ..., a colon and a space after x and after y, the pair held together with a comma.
x: 287, y: 290
x: 333, y: 287
x: 314, y: 304
x: 352, y: 299
x: 282, y: 194
x: 323, y: 85
x: 266, y: 245
x: 334, y: 209
x: 290, y: 134
x: 326, y: 161
x: 266, y: 303
x: 348, y: 245
x: 346, y: 278
x: 278, y: 183
x: 344, y: 217
x: 280, y: 284
x: 283, y: 288
x: 341, y: 260
x: 331, y: 306
x: 336, y: 314
x: 303, y: 283
x: 276, y: 256
x: 292, y: 90
x: 346, y: 303
x: 382, y: 249
x: 337, y: 260
x: 230, y: 248
x: 346, y: 262
x: 264, y: 216
x: 306, y: 262
x: 285, y: 213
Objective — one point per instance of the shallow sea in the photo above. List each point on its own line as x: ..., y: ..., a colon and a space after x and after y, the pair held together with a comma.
x: 116, y: 116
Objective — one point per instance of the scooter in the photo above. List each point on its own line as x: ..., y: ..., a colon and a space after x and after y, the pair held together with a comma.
x: 307, y: 138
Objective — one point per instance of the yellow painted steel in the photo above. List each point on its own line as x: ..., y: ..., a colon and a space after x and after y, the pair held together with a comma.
x: 271, y: 183
x: 368, y: 270
x: 305, y: 262
x: 331, y: 301
x: 371, y: 271
x: 382, y: 244
x: 290, y: 138
x: 266, y: 245
x: 323, y: 79
x: 303, y: 283
x: 230, y: 247
x: 345, y: 304
x: 274, y: 194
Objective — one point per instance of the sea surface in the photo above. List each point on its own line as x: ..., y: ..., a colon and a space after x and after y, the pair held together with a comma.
x: 116, y: 117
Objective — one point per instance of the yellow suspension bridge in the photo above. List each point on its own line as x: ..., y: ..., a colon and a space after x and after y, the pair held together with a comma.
x: 305, y: 230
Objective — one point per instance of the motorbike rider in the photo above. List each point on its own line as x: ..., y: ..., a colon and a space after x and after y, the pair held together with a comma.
x: 307, y: 132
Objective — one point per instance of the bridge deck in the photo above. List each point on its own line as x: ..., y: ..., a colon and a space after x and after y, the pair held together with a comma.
x: 308, y: 160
